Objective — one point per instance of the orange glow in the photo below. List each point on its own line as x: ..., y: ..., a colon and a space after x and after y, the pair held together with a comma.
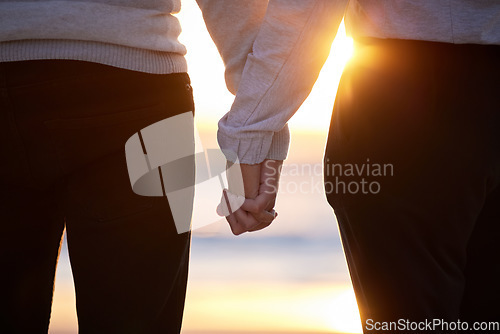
x: 211, y: 96
x: 273, y: 307
x: 314, y: 114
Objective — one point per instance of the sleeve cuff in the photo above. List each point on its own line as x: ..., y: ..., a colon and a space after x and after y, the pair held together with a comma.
x: 255, y: 150
x: 279, y: 144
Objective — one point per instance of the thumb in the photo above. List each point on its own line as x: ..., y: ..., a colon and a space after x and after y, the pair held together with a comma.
x: 258, y: 204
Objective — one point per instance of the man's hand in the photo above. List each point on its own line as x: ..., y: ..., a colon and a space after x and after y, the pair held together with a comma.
x: 260, y: 183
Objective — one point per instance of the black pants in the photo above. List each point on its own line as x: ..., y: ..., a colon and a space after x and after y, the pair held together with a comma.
x: 417, y: 124
x: 64, y: 125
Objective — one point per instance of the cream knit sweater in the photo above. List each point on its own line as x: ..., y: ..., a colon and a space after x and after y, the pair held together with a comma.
x: 273, y: 50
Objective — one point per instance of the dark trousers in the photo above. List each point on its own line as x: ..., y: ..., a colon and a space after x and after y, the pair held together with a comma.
x: 422, y: 239
x: 64, y: 125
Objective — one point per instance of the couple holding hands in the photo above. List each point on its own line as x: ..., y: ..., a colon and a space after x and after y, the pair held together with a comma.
x: 78, y: 78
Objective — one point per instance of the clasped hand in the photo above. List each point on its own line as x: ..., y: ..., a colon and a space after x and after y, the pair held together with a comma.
x: 260, y: 187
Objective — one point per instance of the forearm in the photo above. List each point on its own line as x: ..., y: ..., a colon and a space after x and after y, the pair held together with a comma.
x: 273, y: 53
x: 233, y: 26
x: 292, y: 45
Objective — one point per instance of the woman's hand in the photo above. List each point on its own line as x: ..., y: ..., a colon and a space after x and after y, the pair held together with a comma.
x: 260, y: 187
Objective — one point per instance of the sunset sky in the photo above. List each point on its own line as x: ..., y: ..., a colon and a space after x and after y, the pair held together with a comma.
x: 291, y: 277
x: 268, y: 305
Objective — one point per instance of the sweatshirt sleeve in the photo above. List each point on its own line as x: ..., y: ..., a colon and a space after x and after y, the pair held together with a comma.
x: 233, y: 26
x: 279, y: 54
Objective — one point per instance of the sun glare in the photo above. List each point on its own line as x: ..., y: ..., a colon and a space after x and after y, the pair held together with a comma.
x: 233, y: 306
x: 295, y: 308
x: 314, y: 114
x: 211, y: 96
x: 344, y: 316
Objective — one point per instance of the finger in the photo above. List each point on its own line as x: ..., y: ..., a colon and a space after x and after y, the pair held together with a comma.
x: 228, y: 203
x: 226, y: 198
x: 258, y: 204
x: 270, y: 206
x: 241, y: 221
x: 251, y: 205
x: 264, y: 216
x: 246, y: 219
x: 235, y: 227
x: 261, y: 226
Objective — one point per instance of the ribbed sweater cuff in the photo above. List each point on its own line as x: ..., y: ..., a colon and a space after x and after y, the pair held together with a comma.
x: 255, y: 150
x: 279, y: 145
x: 149, y: 61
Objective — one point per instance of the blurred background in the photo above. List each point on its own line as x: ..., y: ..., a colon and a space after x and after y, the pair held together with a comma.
x: 291, y: 277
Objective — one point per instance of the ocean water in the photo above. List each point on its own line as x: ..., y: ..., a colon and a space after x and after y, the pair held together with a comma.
x: 289, y: 278
x: 267, y: 259
x: 230, y: 273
